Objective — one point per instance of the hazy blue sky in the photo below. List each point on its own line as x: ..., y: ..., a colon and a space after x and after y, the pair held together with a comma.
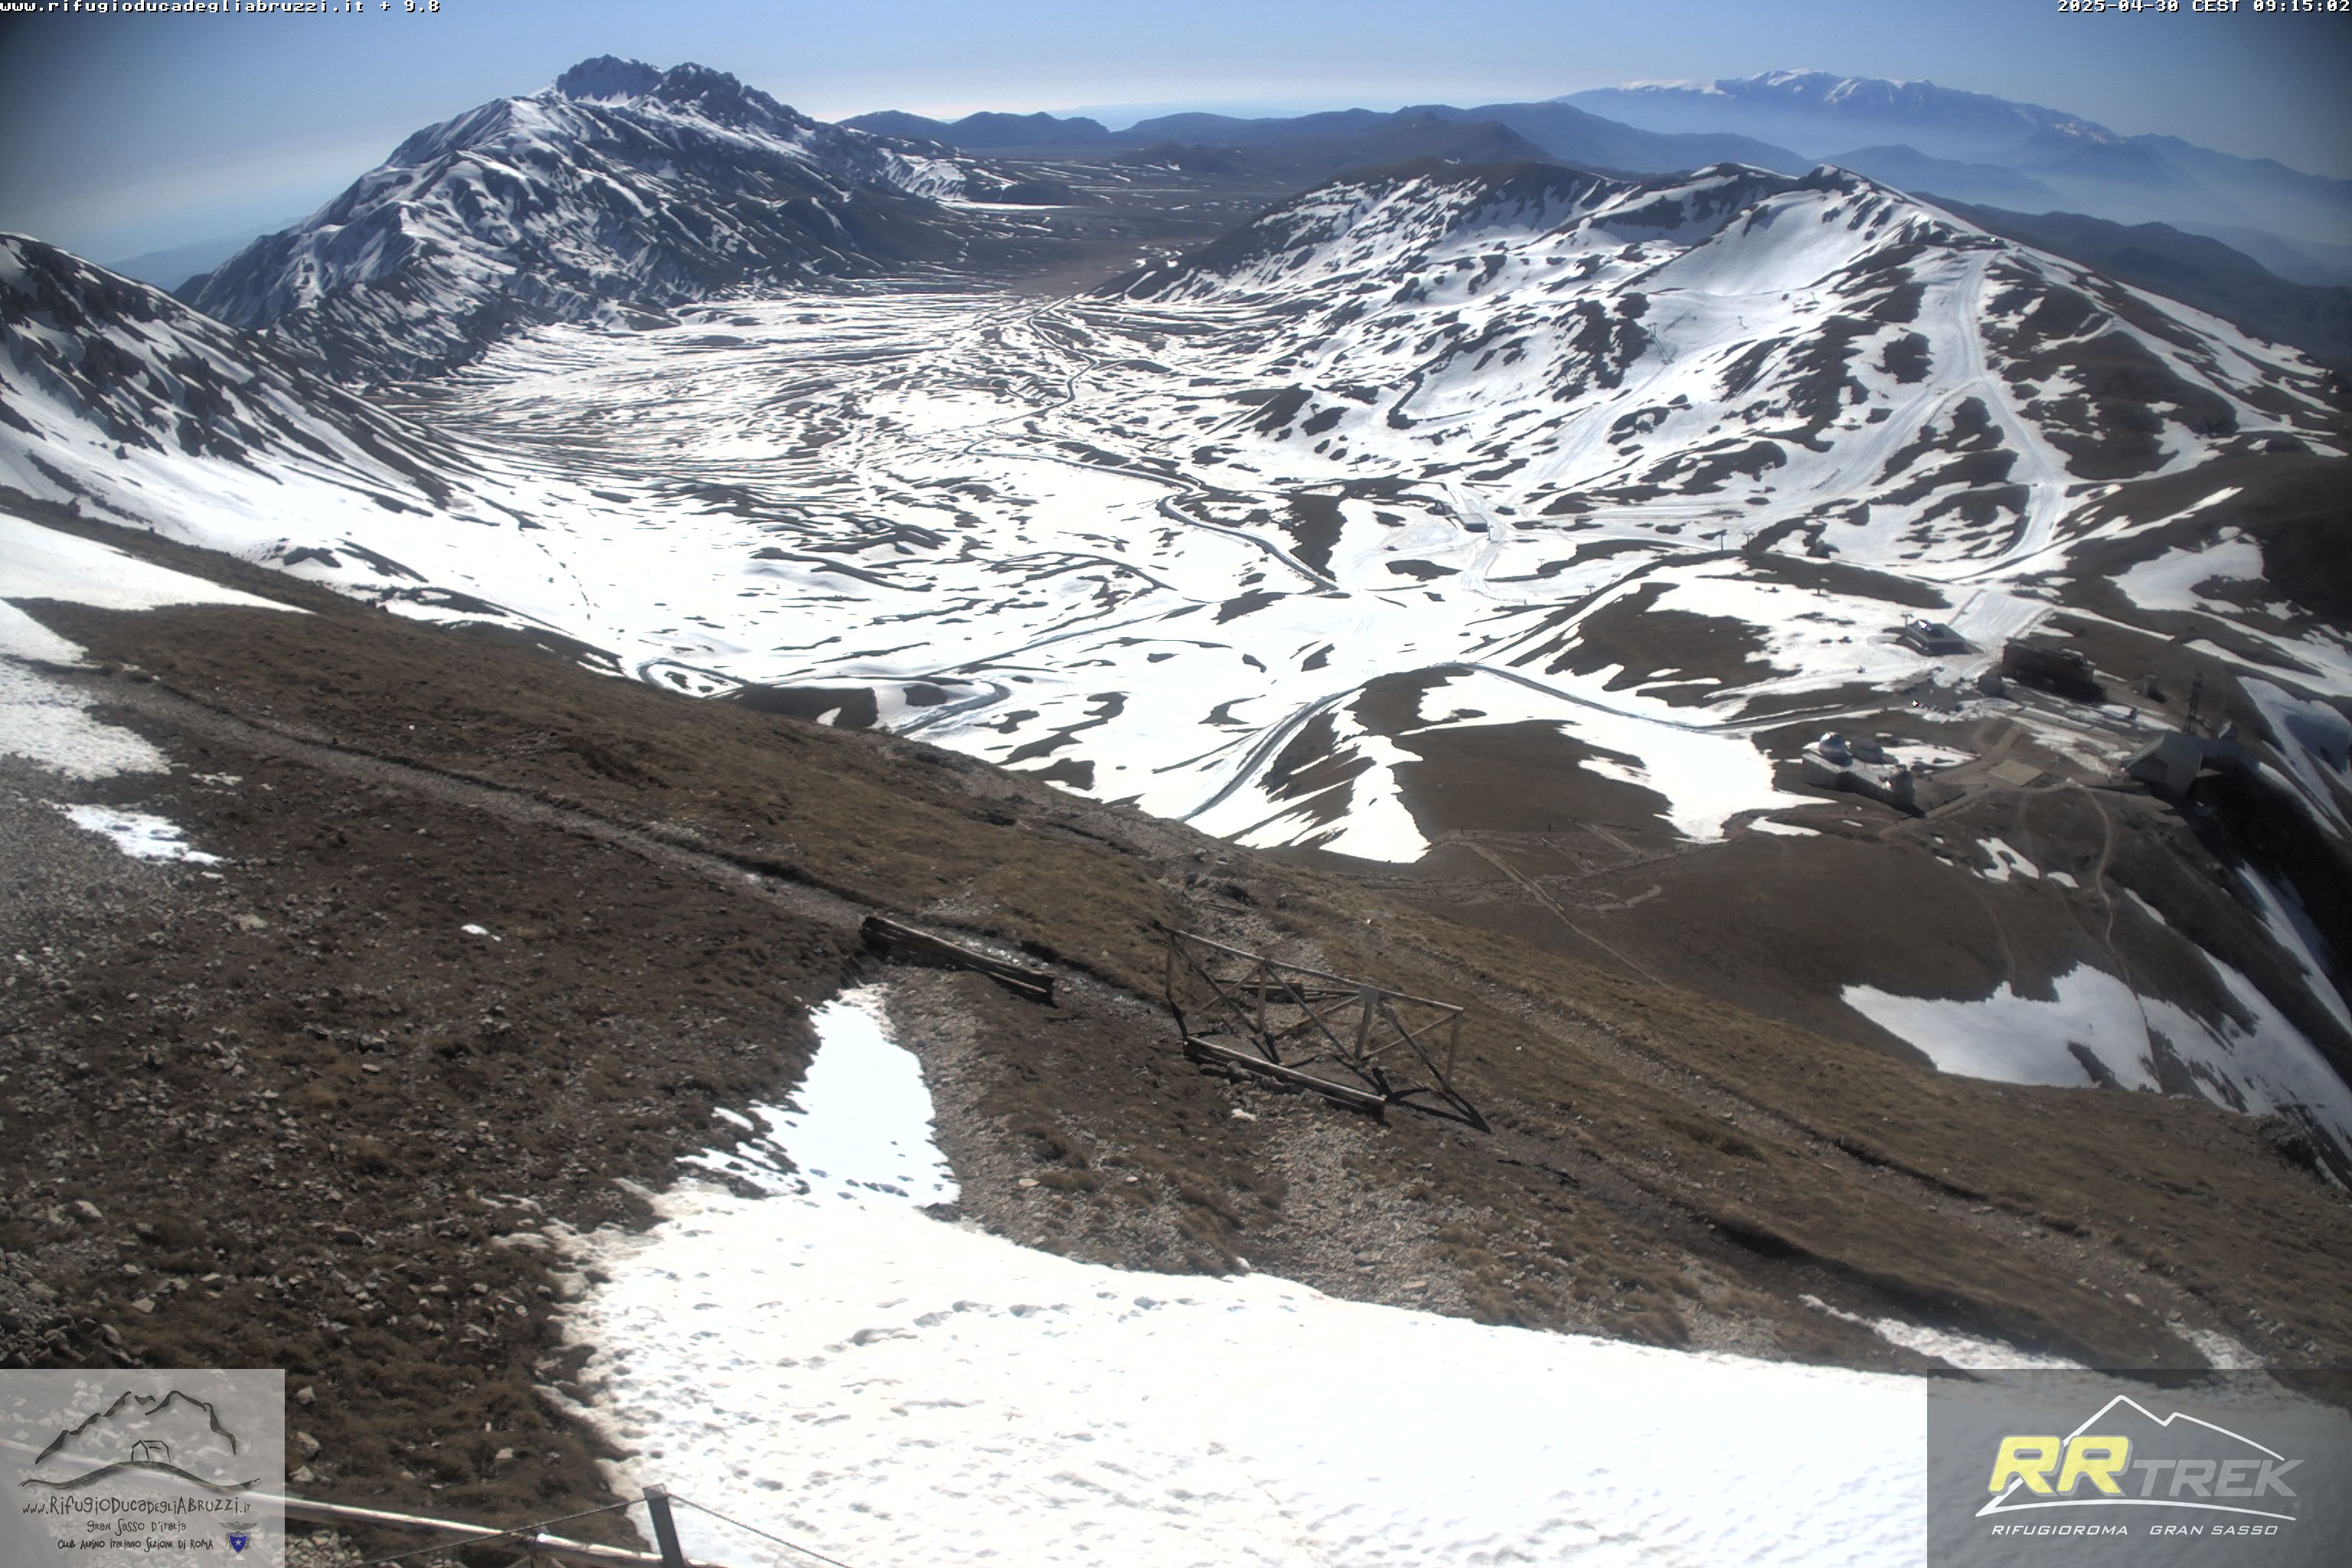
x: 121, y: 134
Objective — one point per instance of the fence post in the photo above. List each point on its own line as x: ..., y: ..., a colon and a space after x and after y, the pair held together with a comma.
x: 665, y: 1528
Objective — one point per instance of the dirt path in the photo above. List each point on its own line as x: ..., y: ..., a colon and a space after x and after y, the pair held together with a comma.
x: 784, y: 887
x: 1547, y: 901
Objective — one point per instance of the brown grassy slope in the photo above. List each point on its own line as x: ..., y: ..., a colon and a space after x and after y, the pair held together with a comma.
x: 300, y: 1102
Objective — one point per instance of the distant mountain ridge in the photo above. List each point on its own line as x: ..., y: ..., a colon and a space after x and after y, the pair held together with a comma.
x: 1916, y: 136
x: 1324, y: 143
x: 2189, y: 268
x: 1818, y: 111
x: 985, y: 131
x: 2016, y: 149
x: 174, y: 265
x: 2179, y: 264
x: 1910, y: 169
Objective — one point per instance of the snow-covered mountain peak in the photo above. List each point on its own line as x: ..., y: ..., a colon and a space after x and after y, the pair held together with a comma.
x: 1816, y: 83
x: 608, y: 77
x: 612, y: 102
x: 689, y: 88
x: 1826, y: 87
x: 1387, y: 220
x: 1818, y: 352
x: 1881, y: 95
x: 1822, y: 113
x: 618, y: 193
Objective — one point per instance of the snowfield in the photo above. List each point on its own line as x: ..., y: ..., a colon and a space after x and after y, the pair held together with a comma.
x: 831, y: 1363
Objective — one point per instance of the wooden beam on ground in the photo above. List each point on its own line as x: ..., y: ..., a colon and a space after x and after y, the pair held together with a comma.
x: 887, y: 936
x: 1348, y: 1095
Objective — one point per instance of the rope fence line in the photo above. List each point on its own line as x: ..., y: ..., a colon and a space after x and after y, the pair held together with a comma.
x: 521, y: 1533
x: 755, y: 1530
x: 529, y: 1537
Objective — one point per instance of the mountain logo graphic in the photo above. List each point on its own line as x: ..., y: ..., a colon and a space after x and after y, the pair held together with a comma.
x: 2126, y: 1456
x: 236, y: 1541
x: 173, y: 1433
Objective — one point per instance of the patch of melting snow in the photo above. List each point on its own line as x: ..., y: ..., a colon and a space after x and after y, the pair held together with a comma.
x: 834, y: 1365
x: 2170, y: 581
x: 1706, y: 775
x: 39, y: 562
x: 139, y: 834
x: 860, y: 1122
x: 42, y: 719
x: 2020, y: 1039
x: 2292, y: 929
x: 2219, y: 1350
x: 1923, y: 754
x: 1782, y: 829
x: 46, y: 722
x: 2094, y: 756
x: 1969, y: 1353
x: 2253, y: 1059
x: 2005, y: 862
x: 23, y: 637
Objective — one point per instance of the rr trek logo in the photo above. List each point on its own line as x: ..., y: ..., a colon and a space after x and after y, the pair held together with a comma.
x: 2127, y: 1457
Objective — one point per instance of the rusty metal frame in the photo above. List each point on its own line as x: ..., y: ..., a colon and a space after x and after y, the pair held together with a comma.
x: 1296, y: 1019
